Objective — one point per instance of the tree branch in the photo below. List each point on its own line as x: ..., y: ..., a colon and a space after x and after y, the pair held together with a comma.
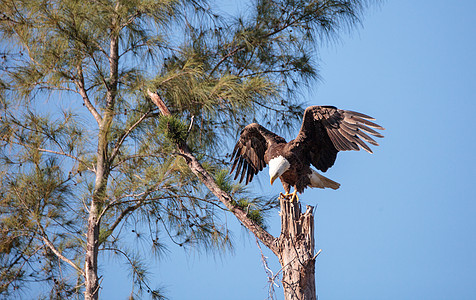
x: 61, y: 256
x: 123, y: 214
x: 54, y: 152
x: 265, y: 237
x: 124, y: 136
x: 224, y: 58
x: 65, y: 154
x: 158, y: 101
x: 84, y: 94
x: 50, y: 245
x: 140, y: 275
x: 44, y: 237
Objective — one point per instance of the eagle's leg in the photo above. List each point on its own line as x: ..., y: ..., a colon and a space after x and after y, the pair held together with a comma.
x: 287, y: 189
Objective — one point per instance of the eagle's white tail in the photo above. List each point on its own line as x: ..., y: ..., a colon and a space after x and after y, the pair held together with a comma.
x: 319, y: 181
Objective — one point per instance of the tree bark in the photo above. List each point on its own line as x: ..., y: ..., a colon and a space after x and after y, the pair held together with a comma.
x: 296, y: 251
x: 91, y: 291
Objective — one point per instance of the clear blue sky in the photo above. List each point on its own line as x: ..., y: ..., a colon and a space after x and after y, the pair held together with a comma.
x: 403, y: 223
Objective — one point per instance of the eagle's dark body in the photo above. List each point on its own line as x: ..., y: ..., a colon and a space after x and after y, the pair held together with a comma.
x: 325, y: 131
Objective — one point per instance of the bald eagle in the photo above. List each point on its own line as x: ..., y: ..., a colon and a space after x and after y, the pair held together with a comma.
x: 325, y: 131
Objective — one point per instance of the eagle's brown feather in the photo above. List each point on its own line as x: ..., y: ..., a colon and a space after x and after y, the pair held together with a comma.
x: 325, y: 131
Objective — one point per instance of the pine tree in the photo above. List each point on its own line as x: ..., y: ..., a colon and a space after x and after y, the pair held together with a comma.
x: 89, y: 161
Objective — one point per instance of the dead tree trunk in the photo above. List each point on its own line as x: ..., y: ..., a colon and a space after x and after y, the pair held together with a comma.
x: 296, y: 251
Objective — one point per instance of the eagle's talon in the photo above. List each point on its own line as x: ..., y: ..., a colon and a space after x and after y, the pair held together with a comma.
x: 290, y: 196
x: 294, y: 196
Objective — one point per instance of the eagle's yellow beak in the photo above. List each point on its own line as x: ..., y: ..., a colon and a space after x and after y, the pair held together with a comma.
x: 273, y: 179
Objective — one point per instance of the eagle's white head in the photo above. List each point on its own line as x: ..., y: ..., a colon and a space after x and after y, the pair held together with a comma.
x: 277, y: 166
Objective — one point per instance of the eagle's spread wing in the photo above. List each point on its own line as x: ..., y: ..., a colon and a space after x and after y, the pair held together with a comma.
x: 248, y: 155
x: 327, y: 130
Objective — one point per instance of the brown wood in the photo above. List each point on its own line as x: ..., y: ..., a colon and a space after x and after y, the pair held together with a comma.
x: 267, y: 239
x: 296, y: 251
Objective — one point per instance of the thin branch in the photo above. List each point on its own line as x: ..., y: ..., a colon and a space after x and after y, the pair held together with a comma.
x: 224, y: 58
x: 64, y: 154
x: 132, y: 48
x: 98, y: 69
x: 129, y: 209
x: 84, y: 94
x: 101, y: 49
x: 123, y: 214
x: 317, y: 254
x: 269, y: 107
x: 54, y: 152
x: 168, y: 232
x: 50, y: 245
x: 130, y: 21
x: 121, y: 140
x: 58, y: 254
x: 269, y: 272
x: 137, y: 272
